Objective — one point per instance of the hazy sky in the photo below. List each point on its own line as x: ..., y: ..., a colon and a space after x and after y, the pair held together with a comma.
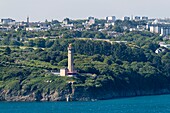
x: 39, y: 10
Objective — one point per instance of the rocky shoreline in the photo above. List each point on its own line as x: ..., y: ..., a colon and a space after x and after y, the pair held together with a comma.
x: 80, y: 94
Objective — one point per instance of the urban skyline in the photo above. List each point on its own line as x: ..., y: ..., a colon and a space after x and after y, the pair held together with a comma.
x: 52, y: 9
x: 127, y: 17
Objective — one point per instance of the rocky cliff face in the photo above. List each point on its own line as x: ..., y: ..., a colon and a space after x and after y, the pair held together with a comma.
x: 79, y: 94
x: 17, y: 96
x: 84, y: 94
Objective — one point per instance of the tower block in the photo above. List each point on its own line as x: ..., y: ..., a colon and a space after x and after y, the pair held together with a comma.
x: 70, y: 59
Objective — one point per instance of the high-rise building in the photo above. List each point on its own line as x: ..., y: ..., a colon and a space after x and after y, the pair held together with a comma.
x: 162, y: 29
x: 165, y: 31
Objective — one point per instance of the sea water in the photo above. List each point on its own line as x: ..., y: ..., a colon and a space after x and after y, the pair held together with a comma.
x: 146, y: 104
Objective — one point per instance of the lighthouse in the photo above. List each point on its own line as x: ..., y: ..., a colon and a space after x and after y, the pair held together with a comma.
x: 69, y: 71
x: 70, y: 59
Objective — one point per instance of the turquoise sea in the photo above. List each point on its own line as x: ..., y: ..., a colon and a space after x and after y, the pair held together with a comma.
x: 146, y: 104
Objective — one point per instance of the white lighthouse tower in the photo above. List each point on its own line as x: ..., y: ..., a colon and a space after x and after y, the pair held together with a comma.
x: 69, y: 71
x: 70, y: 59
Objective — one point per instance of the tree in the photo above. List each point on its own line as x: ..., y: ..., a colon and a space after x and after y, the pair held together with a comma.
x: 100, y: 35
x: 16, y: 43
x: 40, y: 43
x: 8, y: 50
x: 118, y: 29
x: 49, y: 43
x: 31, y: 43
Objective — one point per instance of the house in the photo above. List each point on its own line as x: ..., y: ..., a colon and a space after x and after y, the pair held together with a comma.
x: 68, y: 26
x: 91, y: 20
x: 66, y: 21
x: 4, y: 29
x: 8, y: 21
x: 166, y: 38
x: 159, y: 50
x: 163, y: 44
x: 33, y: 29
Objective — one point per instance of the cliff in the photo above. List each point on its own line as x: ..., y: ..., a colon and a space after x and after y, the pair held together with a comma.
x: 79, y: 94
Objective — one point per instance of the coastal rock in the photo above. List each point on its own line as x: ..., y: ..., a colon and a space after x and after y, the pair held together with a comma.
x: 80, y: 94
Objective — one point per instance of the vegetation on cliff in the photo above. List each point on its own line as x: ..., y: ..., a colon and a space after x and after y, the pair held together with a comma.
x: 104, y: 68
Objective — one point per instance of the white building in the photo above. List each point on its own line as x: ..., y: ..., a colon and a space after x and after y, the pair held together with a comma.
x: 162, y: 29
x: 33, y: 29
x: 111, y: 19
x: 141, y: 27
x: 8, y: 21
x: 163, y: 44
x: 63, y: 72
x: 109, y: 24
x: 68, y: 26
x: 4, y: 29
x: 165, y: 31
x: 66, y: 21
x: 160, y: 50
x: 91, y: 20
x: 155, y: 29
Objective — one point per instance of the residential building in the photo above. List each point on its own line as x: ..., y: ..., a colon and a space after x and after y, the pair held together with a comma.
x: 145, y: 18
x: 163, y: 44
x: 141, y: 27
x: 109, y: 24
x: 33, y: 29
x: 41, y: 28
x: 66, y: 21
x: 155, y: 28
x: 111, y: 19
x: 165, y: 31
x: 91, y: 20
x: 166, y: 38
x: 162, y: 29
x: 113, y: 34
x: 8, y: 21
x: 159, y: 50
x: 68, y: 26
x: 4, y: 29
x: 126, y: 18
x: 137, y: 18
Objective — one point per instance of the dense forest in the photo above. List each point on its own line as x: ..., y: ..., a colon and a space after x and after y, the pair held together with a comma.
x: 106, y: 70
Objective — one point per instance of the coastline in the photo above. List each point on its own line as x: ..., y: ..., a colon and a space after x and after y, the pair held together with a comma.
x: 78, y: 96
